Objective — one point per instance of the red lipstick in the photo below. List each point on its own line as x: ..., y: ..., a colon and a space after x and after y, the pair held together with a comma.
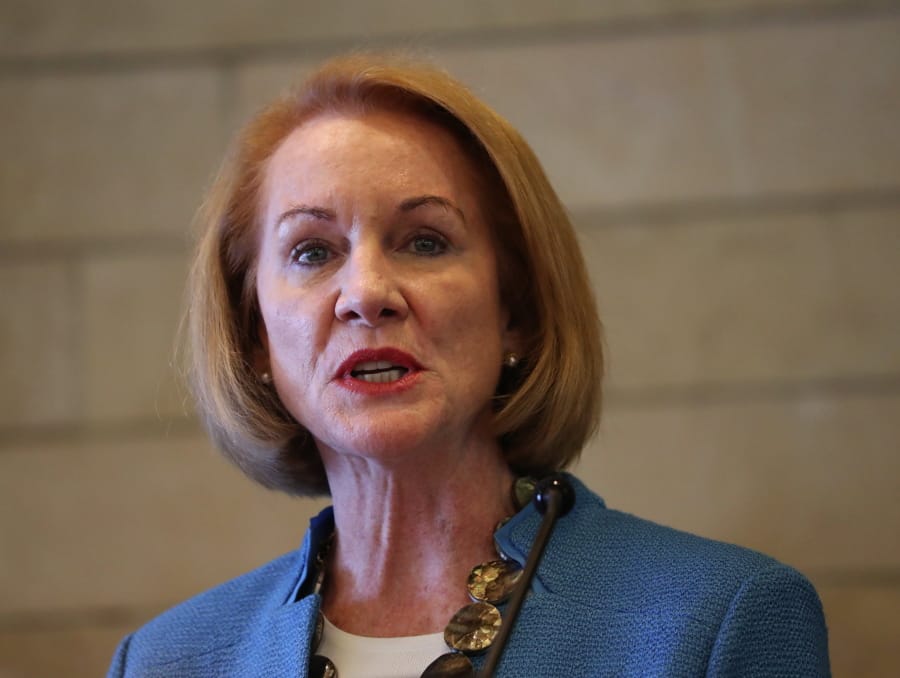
x: 378, y: 371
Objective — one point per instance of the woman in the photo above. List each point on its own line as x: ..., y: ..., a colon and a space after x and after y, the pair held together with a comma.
x: 389, y: 305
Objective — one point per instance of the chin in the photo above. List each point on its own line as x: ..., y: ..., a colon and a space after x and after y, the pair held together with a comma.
x: 386, y: 438
x: 391, y: 434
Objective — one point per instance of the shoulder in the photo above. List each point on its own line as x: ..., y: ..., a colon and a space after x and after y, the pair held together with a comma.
x: 222, y: 616
x: 650, y: 565
x: 597, y: 553
x: 774, y: 625
x: 746, y: 612
x: 237, y: 627
x: 647, y: 567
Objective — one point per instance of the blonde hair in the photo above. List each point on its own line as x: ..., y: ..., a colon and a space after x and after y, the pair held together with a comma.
x: 545, y: 410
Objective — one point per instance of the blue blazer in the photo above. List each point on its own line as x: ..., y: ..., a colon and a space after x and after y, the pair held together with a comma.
x: 614, y: 596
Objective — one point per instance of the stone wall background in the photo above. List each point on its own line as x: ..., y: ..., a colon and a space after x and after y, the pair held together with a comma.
x: 734, y: 171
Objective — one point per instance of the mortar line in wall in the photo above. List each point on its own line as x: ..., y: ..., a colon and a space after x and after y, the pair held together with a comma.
x: 671, y: 396
x: 860, y: 577
x: 614, y: 28
x: 75, y: 345
x: 628, y: 399
x: 773, y: 204
x: 644, y: 213
x: 130, y: 430
x: 55, y: 248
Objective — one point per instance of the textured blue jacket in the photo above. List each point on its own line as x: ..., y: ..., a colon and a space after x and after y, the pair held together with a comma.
x: 614, y: 596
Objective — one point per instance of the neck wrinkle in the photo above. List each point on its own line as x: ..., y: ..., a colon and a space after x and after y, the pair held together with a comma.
x: 409, y: 539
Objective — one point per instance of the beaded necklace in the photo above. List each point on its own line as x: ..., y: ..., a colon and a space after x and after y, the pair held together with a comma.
x: 473, y: 628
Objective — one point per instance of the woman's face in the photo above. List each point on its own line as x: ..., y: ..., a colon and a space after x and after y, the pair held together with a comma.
x: 377, y: 282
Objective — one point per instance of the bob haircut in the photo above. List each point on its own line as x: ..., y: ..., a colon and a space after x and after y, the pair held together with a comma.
x: 545, y: 408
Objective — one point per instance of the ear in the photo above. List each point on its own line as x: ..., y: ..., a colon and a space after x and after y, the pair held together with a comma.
x: 511, y: 336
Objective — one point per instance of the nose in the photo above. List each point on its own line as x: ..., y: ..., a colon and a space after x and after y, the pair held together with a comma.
x: 369, y: 293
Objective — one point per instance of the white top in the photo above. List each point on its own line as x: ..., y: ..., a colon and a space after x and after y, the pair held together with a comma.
x: 366, y: 657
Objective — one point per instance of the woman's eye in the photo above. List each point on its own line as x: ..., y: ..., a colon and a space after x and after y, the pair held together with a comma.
x: 310, y: 255
x: 428, y: 245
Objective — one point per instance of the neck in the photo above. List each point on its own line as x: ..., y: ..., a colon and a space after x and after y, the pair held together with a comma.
x: 407, y: 537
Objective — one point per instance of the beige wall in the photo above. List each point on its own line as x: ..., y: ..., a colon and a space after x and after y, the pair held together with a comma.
x: 734, y: 171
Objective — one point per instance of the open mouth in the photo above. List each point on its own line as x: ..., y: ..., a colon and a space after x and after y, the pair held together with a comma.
x: 378, y: 372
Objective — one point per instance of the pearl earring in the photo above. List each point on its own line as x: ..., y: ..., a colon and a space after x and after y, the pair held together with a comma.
x: 510, y: 360
x: 266, y: 377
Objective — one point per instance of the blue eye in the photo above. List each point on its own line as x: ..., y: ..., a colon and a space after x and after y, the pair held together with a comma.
x: 428, y: 245
x: 310, y: 254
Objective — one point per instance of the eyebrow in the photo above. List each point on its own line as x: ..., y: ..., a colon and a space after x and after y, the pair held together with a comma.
x: 407, y: 205
x: 410, y: 204
x: 309, y: 210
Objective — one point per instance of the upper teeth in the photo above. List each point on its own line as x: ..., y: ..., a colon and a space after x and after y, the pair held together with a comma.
x: 373, y: 365
x: 392, y: 374
x: 378, y: 371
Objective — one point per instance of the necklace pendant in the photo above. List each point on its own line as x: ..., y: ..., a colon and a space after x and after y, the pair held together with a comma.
x: 473, y: 628
x: 494, y: 581
x: 523, y: 491
x: 450, y: 665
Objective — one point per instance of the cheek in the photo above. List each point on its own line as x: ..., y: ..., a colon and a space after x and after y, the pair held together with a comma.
x: 293, y: 356
x: 294, y: 332
x: 466, y: 317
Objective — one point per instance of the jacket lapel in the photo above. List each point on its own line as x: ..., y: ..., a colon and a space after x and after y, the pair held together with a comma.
x: 277, y: 647
x: 282, y: 646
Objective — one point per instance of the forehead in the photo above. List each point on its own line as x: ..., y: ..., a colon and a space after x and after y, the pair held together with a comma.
x: 379, y: 152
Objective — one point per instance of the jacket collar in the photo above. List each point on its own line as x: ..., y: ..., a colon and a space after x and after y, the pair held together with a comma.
x: 516, y: 537
x: 321, y: 527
